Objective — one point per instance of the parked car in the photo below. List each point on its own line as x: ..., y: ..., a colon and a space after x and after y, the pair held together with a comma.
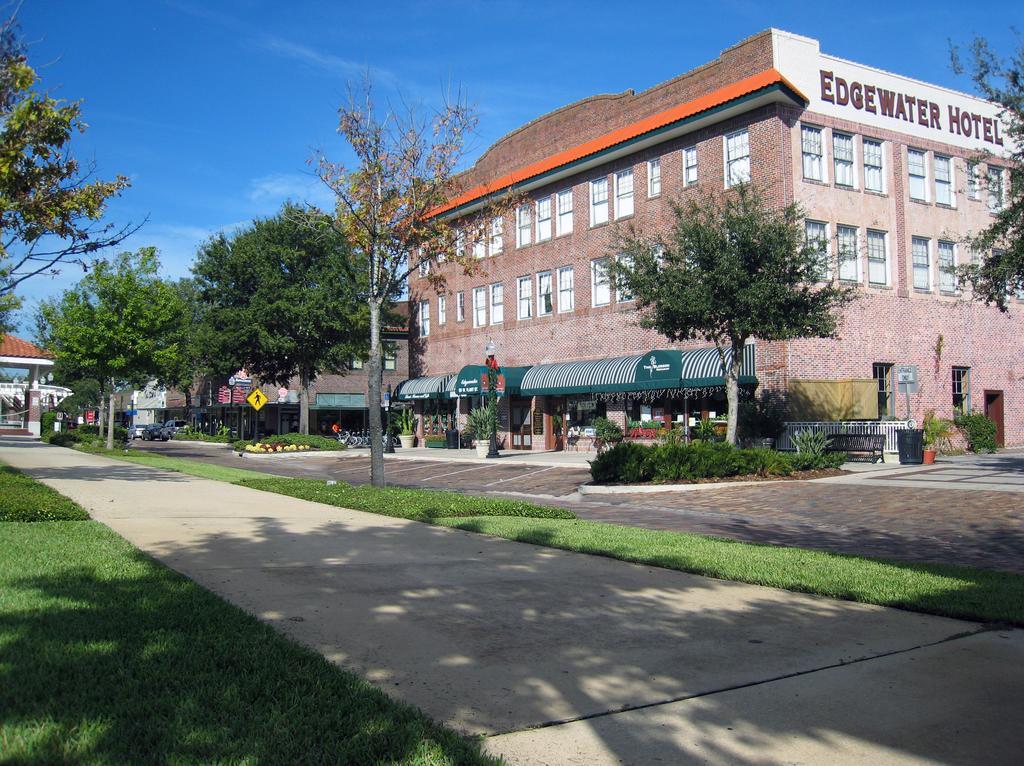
x: 153, y: 432
x: 170, y: 428
x: 136, y: 431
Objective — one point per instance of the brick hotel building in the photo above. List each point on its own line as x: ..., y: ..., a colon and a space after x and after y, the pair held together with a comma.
x: 892, y: 171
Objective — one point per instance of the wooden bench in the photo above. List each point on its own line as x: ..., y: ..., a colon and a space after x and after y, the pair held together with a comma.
x: 871, y: 446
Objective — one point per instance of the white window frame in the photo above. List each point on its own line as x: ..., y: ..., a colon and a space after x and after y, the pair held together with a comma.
x: 541, y: 277
x: 823, y: 240
x: 424, y: 319
x: 946, y: 184
x: 947, y: 279
x: 844, y: 166
x: 442, y: 310
x: 460, y: 306
x: 921, y: 179
x: 995, y: 172
x: 881, y: 164
x: 563, y: 213
x: 497, y: 290
x: 690, y: 163
x: 480, y: 243
x: 479, y: 306
x: 566, y: 290
x: 654, y: 178
x: 624, y: 198
x: 599, y: 213
x: 460, y: 244
x: 809, y: 161
x: 524, y: 297
x: 606, y: 284
x: 844, y: 275
x: 524, y: 224
x: 391, y: 358
x: 544, y: 223
x: 915, y: 268
x: 497, y: 240
x: 738, y: 165
x: 973, y: 181
x: 623, y: 295
x: 875, y: 235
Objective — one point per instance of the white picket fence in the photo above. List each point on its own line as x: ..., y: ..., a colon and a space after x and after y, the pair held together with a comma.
x: 887, y: 427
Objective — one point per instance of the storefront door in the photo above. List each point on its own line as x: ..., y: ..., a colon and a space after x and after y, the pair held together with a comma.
x: 521, y: 424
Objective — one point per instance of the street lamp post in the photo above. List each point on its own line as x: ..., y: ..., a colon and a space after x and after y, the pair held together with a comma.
x: 389, y: 448
x: 492, y: 396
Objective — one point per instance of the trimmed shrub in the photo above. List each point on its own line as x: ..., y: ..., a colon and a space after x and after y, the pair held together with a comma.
x: 979, y: 430
x: 607, y: 432
x: 625, y: 462
x: 189, y: 434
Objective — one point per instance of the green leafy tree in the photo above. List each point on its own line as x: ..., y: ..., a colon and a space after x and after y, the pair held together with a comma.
x: 50, y: 205
x: 284, y: 299
x: 116, y: 325
x: 733, y: 268
x: 1000, y: 273
x: 187, y: 360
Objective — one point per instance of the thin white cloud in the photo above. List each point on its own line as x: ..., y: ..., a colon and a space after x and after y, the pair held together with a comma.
x: 271, y: 191
x: 326, y: 62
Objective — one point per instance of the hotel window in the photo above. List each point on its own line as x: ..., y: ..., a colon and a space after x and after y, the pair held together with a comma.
x: 622, y: 293
x: 947, y: 267
x: 624, y: 193
x: 995, y: 189
x: 564, y: 202
x: 917, y: 174
x: 873, y: 178
x: 737, y: 158
x: 653, y: 178
x: 524, y: 225
x: 690, y: 166
x: 460, y: 307
x: 600, y: 283
x: 842, y: 159
x: 962, y: 390
x: 543, y: 219
x: 566, y: 296
x: 973, y: 187
x: 460, y: 244
x: 816, y: 235
x: 497, y: 235
x: 544, y: 298
x: 442, y: 309
x: 943, y: 180
x: 390, y: 357
x: 919, y: 247
x: 479, y: 306
x: 878, y: 260
x: 849, y: 260
x: 811, y: 148
x: 883, y: 375
x: 424, y: 319
x: 479, y: 245
x: 497, y: 303
x: 598, y: 201
x: 356, y: 363
x: 525, y: 294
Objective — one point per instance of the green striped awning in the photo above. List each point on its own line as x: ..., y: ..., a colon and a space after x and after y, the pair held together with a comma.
x: 652, y: 371
x: 428, y: 387
x: 472, y: 381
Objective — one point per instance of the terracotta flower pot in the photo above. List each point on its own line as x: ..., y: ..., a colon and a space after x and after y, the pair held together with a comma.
x: 929, y: 456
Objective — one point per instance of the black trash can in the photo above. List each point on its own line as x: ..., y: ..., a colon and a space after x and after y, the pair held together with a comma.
x: 910, y: 445
x: 451, y: 438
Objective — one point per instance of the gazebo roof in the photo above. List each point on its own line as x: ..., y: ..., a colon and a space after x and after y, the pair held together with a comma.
x: 11, y: 346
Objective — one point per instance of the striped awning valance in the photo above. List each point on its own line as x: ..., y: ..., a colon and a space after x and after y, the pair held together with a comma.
x: 703, y: 367
x: 428, y: 387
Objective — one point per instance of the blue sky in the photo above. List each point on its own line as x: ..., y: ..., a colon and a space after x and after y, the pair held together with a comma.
x: 213, y: 108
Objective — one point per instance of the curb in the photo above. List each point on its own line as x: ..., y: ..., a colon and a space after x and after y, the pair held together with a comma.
x: 645, y: 489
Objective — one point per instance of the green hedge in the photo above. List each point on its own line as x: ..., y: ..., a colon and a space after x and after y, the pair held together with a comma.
x: 979, y: 430
x: 416, y: 504
x: 631, y: 463
x: 191, y: 435
x: 22, y: 498
x: 87, y: 435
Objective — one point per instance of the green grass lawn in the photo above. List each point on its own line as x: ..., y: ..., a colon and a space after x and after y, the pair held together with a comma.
x: 109, y: 657
x: 24, y: 499
x: 180, y: 465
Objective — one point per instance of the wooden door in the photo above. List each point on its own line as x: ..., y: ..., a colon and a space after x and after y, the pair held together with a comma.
x: 994, y: 410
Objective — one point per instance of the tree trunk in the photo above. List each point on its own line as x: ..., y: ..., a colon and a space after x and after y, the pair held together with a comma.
x: 101, y: 420
x: 188, y: 405
x: 304, y: 403
x: 110, y: 419
x: 732, y: 389
x: 374, y: 372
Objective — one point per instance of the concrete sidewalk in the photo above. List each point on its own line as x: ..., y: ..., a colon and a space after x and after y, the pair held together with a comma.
x: 566, y: 658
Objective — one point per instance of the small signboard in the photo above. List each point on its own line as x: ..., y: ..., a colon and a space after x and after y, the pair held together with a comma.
x: 538, y: 423
x: 231, y: 380
x: 256, y: 399
x: 282, y: 393
x: 906, y: 379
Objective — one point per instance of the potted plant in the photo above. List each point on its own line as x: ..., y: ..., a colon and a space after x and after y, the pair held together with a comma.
x: 937, y: 432
x: 481, y: 423
x: 407, y: 424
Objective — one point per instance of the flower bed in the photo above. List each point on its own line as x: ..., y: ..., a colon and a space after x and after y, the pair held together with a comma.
x: 266, y: 449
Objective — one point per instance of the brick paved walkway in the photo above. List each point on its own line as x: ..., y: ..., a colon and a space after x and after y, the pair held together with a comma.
x: 920, y: 523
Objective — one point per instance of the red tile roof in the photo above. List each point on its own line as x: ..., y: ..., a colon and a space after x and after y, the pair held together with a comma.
x: 714, y: 99
x: 11, y: 346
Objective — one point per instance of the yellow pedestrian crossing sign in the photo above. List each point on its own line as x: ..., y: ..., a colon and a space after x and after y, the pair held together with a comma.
x: 256, y: 399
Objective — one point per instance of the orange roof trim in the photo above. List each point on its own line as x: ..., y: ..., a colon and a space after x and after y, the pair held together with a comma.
x: 11, y: 346
x: 661, y: 119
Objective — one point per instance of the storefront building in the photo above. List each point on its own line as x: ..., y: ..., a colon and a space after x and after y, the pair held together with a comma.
x: 892, y: 173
